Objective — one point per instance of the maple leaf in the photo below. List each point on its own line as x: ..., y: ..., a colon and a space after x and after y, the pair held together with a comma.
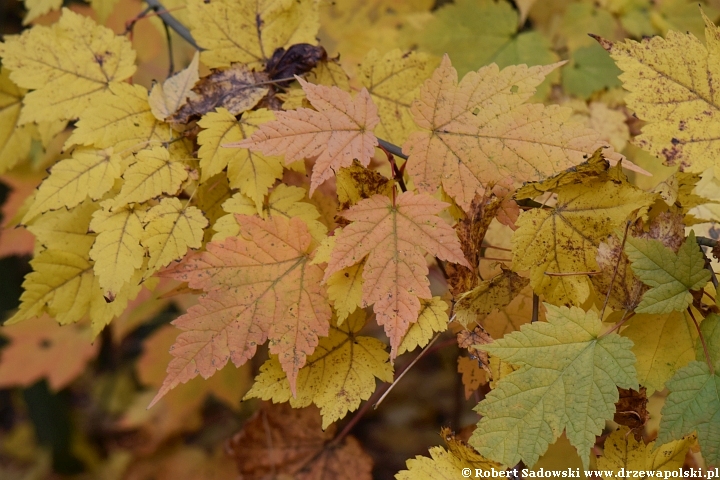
x: 260, y: 285
x: 671, y: 276
x: 63, y: 284
x: 14, y: 139
x: 473, y: 376
x: 88, y: 173
x: 235, y: 89
x: 393, y: 237
x: 566, y: 380
x: 43, y: 349
x: 479, y: 132
x: 67, y: 65
x: 279, y: 440
x: 393, y: 81
x: 565, y: 238
x: 445, y: 464
x: 623, y: 451
x: 250, y: 172
x: 228, y: 385
x: 662, y: 345
x: 170, y: 229
x: 285, y: 201
x: 433, y: 318
x: 670, y: 80
x: 166, y: 98
x: 693, y: 405
x: 154, y: 172
x: 117, y: 252
x: 250, y: 32
x: 335, y: 134
x: 479, y: 32
x: 513, y: 315
x: 357, y: 182
x: 337, y: 376
x: 38, y: 8
x: 120, y: 119
x: 489, y: 295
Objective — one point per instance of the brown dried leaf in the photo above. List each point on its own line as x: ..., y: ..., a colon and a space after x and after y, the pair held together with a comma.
x: 281, y: 441
x: 631, y: 410
x: 356, y: 182
x: 471, y: 231
x: 467, y: 339
x: 236, y: 89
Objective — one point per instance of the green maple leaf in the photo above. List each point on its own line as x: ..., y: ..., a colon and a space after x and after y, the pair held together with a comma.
x: 567, y: 381
x: 694, y: 405
x: 670, y: 275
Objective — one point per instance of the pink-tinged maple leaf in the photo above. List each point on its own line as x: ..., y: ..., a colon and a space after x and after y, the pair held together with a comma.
x: 339, y: 131
x: 479, y: 131
x: 259, y: 286
x: 395, y: 239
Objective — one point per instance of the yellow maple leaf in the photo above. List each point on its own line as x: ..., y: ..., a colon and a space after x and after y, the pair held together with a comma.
x: 335, y: 134
x: 344, y: 287
x: 433, y: 318
x: 479, y: 131
x: 565, y: 238
x: 65, y: 229
x: 250, y: 32
x: 153, y: 173
x: 121, y: 118
x: 337, y: 376
x: 170, y: 230
x: 117, y: 252
x: 663, y: 344
x: 393, y: 236
x: 472, y: 375
x: 14, y: 139
x: 357, y: 182
x: 623, y: 452
x: 284, y: 201
x: 63, y: 284
x: 671, y: 83
x: 488, y: 296
x: 445, y: 465
x: 88, y: 173
x: 67, y: 65
x: 38, y: 8
x: 166, y: 98
x: 250, y: 172
x: 393, y: 81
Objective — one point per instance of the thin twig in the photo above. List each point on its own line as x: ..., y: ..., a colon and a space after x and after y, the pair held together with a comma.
x: 708, y: 265
x: 392, y: 148
x: 397, y: 174
x: 173, y: 23
x: 706, y: 242
x: 620, y: 323
x: 570, y: 274
x: 171, y: 68
x: 702, y: 341
x: 535, y: 308
x: 402, y: 374
x: 709, y: 296
x: 617, y: 266
x: 496, y: 248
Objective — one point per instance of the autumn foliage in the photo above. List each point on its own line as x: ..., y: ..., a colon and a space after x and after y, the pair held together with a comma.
x: 323, y: 194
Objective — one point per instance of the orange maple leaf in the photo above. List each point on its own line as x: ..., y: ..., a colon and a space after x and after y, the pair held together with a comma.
x: 259, y: 285
x: 479, y: 132
x: 394, y: 237
x: 340, y: 131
